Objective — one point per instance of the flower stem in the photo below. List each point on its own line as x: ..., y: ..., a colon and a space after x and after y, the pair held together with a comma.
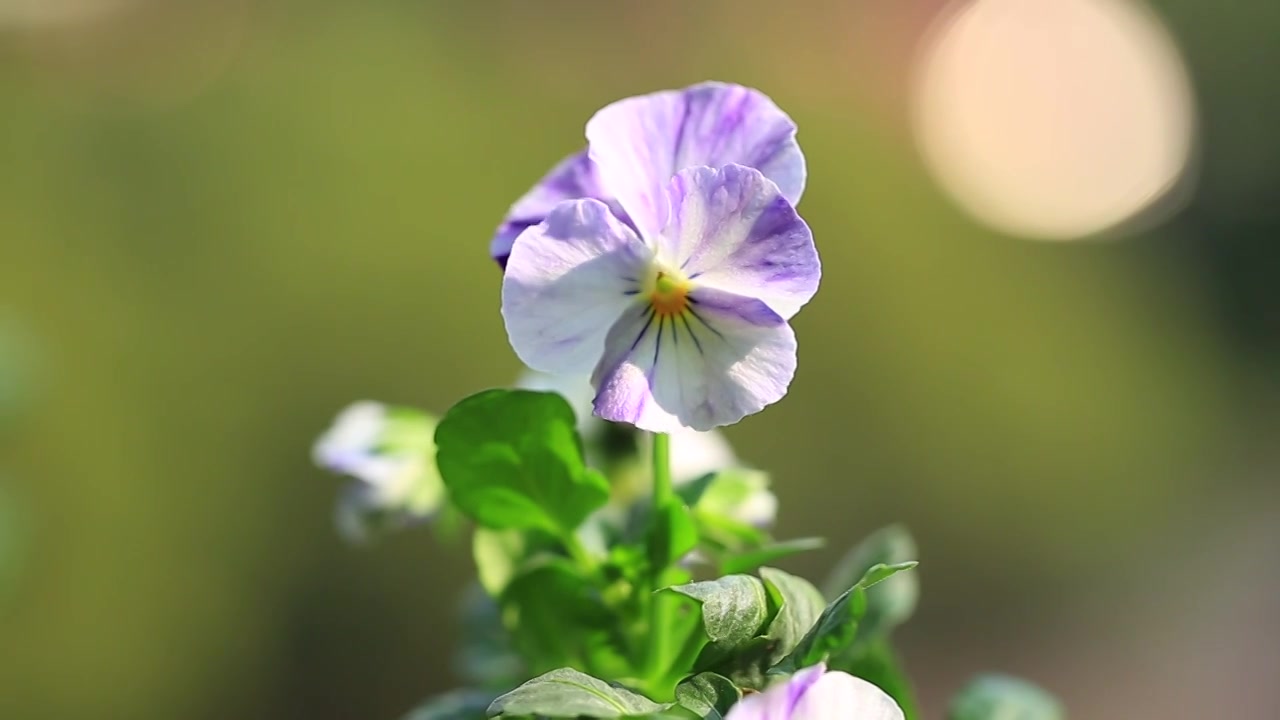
x: 660, y: 605
x: 663, y: 491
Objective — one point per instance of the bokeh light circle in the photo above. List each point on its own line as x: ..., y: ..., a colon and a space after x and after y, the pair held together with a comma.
x: 1053, y: 119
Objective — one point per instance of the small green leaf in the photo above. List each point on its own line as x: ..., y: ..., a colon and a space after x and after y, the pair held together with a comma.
x: 455, y: 705
x: 672, y: 534
x: 836, y: 627
x: 708, y: 695
x: 999, y: 697
x: 691, y: 492
x: 512, y: 459
x: 890, y: 603
x: 567, y: 693
x: 748, y: 560
x: 734, y: 607
x: 497, y: 555
x: 802, y: 604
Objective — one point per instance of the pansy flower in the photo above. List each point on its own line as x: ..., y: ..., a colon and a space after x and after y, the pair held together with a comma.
x: 815, y: 694
x: 672, y: 284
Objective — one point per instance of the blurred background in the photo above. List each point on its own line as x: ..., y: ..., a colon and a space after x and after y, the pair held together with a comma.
x: 1048, y: 338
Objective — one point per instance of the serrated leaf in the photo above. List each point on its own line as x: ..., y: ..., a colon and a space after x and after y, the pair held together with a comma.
x: 837, y: 626
x: 999, y: 697
x: 567, y: 693
x: 801, y: 605
x: 748, y: 560
x: 511, y: 459
x: 708, y: 695
x: 890, y: 603
x: 734, y: 607
x: 880, y: 572
x: 455, y: 705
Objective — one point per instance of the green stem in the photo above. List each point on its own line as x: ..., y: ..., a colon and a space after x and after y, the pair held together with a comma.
x: 663, y: 492
x: 660, y: 606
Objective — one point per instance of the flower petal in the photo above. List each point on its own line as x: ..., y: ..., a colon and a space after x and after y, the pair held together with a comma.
x: 568, y: 280
x: 728, y: 357
x: 779, y: 701
x: 572, y: 178
x: 731, y: 229
x: 840, y: 696
x: 639, y: 143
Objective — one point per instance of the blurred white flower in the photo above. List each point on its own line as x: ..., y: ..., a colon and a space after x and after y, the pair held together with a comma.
x: 742, y: 495
x: 390, y: 452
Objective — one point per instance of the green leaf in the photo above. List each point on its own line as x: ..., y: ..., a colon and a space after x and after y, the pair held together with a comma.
x: 512, y: 459
x: 891, y: 602
x: 999, y: 697
x: 747, y: 560
x: 691, y: 492
x: 836, y: 627
x: 567, y: 693
x: 497, y: 555
x: 671, y: 534
x: 734, y: 607
x: 878, y: 664
x: 708, y: 695
x: 455, y: 705
x: 801, y: 605
x: 554, y: 615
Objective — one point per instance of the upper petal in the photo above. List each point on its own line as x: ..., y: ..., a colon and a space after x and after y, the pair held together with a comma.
x: 727, y: 357
x: 639, y: 143
x: 733, y: 230
x: 568, y: 280
x: 571, y: 179
x: 840, y: 696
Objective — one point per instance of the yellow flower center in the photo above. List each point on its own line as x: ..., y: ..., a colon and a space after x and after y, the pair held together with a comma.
x: 668, y: 294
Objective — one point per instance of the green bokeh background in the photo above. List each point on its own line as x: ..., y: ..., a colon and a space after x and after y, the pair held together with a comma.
x: 222, y: 221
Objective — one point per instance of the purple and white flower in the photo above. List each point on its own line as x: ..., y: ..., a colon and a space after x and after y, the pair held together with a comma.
x: 673, y: 279
x: 815, y: 694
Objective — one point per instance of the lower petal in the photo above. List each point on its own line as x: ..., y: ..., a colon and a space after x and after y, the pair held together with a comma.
x: 726, y: 357
x: 779, y: 701
x: 567, y: 281
x: 839, y: 696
